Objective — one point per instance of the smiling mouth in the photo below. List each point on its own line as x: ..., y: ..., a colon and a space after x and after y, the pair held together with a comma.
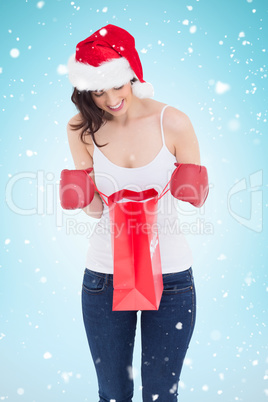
x: 117, y: 107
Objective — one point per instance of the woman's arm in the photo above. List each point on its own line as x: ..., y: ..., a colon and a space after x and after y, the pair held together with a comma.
x: 83, y: 160
x: 189, y: 181
x: 181, y: 133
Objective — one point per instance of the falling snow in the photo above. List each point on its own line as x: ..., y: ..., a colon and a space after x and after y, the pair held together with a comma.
x: 179, y: 325
x: 221, y: 257
x: 66, y: 376
x: 193, y: 29
x: 14, y: 53
x: 221, y: 87
x: 62, y: 69
x: 40, y: 4
x: 103, y: 32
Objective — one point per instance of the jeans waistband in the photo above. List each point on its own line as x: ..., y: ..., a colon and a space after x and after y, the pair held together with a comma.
x: 109, y: 277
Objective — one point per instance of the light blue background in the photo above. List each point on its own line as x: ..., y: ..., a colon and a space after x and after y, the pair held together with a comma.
x: 42, y: 265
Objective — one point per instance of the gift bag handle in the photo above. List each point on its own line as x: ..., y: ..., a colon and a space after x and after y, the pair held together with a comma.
x: 89, y: 170
x: 178, y: 165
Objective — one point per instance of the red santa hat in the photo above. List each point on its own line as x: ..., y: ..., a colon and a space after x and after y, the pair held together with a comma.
x: 106, y: 59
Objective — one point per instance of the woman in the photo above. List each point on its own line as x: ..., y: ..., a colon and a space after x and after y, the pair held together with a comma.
x: 132, y: 142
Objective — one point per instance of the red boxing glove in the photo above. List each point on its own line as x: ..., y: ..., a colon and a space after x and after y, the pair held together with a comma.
x: 76, y: 188
x: 189, y: 183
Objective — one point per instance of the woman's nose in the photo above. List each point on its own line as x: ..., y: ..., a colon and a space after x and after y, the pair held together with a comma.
x: 112, y: 98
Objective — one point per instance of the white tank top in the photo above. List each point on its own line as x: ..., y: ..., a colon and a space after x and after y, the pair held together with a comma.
x: 175, y: 252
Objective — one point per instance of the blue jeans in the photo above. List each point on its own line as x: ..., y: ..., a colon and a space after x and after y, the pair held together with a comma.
x: 165, y: 337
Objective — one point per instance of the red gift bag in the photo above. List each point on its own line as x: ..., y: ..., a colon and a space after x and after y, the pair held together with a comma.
x: 137, y: 280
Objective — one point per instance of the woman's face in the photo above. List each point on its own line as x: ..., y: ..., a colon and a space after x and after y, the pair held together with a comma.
x: 114, y: 101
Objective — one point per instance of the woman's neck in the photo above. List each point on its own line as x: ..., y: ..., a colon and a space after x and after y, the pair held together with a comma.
x: 134, y: 111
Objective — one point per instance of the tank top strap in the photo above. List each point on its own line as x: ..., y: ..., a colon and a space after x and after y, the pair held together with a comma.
x: 161, y: 122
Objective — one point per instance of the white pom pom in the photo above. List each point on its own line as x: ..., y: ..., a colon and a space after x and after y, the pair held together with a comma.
x: 142, y: 90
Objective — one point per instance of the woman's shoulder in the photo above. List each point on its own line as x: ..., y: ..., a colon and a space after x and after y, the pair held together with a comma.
x: 75, y: 128
x: 152, y: 105
x: 174, y: 119
x: 173, y: 114
x: 176, y: 123
x: 76, y: 119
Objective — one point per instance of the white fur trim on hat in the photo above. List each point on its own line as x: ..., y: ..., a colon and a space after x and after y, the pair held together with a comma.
x: 142, y: 89
x: 112, y: 73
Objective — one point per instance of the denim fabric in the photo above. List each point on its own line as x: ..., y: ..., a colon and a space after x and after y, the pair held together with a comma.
x: 165, y: 336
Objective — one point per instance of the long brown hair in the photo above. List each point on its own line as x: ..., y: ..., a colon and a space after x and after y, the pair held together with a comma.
x: 92, y: 116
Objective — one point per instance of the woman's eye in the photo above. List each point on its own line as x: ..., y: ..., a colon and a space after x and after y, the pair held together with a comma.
x: 98, y: 94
